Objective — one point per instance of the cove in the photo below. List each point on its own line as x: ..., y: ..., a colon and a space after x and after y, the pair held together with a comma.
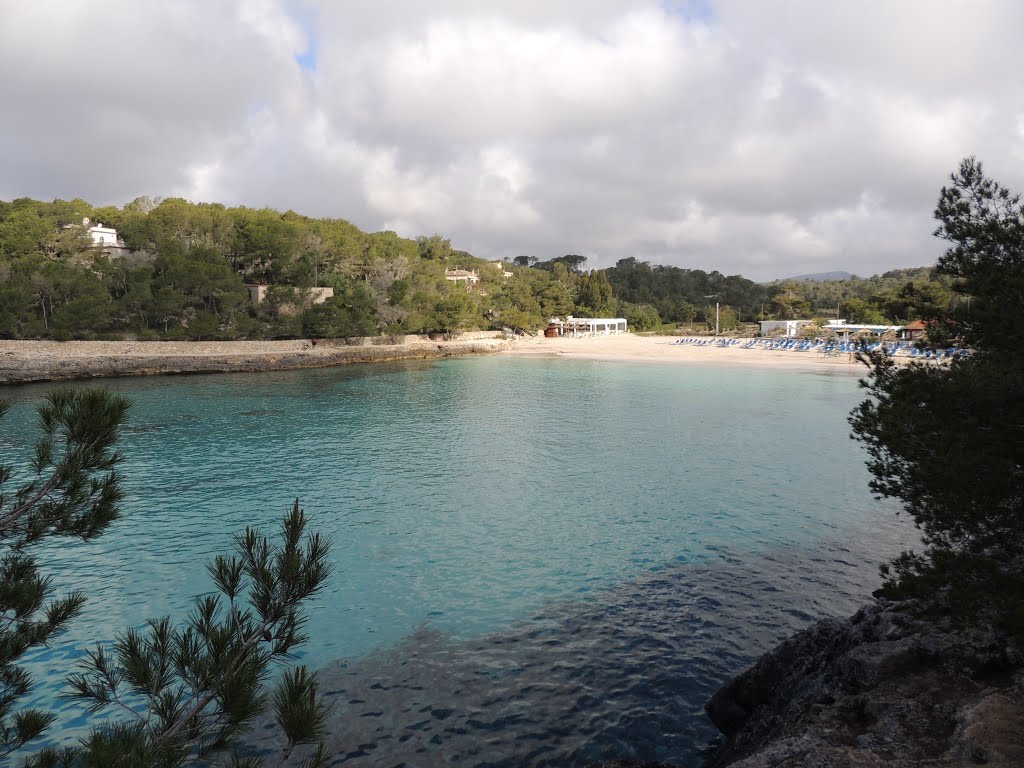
x: 484, y: 504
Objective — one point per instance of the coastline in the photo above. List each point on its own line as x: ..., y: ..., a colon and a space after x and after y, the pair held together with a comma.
x: 25, y: 362
x: 29, y: 361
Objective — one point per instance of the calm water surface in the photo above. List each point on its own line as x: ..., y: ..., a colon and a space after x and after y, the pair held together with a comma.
x: 537, y: 561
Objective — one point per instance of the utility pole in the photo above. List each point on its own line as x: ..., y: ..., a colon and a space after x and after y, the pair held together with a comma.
x: 716, y: 318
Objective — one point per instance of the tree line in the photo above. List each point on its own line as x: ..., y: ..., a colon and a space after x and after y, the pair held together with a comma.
x: 688, y: 296
x: 184, y: 270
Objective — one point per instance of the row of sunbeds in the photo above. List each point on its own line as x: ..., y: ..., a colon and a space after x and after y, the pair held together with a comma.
x: 827, y: 347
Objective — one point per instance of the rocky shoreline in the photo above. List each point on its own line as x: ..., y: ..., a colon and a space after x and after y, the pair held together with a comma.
x: 881, y: 688
x: 23, y: 362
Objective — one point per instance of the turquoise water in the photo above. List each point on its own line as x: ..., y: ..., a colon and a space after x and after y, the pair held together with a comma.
x: 469, y: 499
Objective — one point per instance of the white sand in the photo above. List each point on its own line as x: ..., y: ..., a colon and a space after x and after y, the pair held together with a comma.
x: 660, y: 349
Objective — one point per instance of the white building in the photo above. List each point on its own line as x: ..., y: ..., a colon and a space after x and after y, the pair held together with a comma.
x: 589, y: 326
x: 842, y: 327
x: 462, y: 276
x: 104, y: 238
x: 505, y: 273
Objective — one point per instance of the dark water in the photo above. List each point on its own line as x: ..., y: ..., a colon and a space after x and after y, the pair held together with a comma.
x: 623, y: 676
x: 536, y: 561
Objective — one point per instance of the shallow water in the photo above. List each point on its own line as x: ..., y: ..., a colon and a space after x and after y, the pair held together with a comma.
x: 536, y: 560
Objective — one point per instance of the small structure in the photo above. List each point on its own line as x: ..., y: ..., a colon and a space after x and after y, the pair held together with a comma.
x: 505, y: 273
x: 257, y: 293
x: 105, y: 239
x: 105, y: 236
x: 914, y: 330
x: 457, y: 275
x: 843, y: 328
x: 588, y: 326
x: 782, y: 327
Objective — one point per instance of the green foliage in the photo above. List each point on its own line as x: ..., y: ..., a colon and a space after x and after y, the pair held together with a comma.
x: 946, y: 439
x: 594, y: 296
x: 185, y: 693
x: 725, y: 317
x: 896, y: 296
x: 676, y: 293
x: 858, y: 310
x: 435, y: 247
x: 788, y: 302
x: 985, y: 224
x: 641, y: 317
x: 184, y: 276
x: 349, y: 313
x: 572, y: 262
x: 202, y: 685
x: 72, y: 491
x: 452, y: 313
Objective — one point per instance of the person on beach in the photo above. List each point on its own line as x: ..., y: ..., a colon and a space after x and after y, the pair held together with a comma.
x: 313, y: 342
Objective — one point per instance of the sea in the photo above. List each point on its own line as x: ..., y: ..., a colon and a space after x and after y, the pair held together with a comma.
x: 536, y: 561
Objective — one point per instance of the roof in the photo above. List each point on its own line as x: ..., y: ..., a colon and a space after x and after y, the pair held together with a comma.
x: 587, y: 320
x: 854, y: 327
x: 915, y: 325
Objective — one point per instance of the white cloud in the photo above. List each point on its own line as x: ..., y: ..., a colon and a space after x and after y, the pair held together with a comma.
x: 768, y: 139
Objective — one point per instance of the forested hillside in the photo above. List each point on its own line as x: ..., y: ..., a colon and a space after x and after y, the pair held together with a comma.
x: 184, y: 269
x: 688, y: 295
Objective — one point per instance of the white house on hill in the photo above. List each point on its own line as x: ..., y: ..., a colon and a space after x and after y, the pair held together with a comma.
x: 105, y: 238
x: 457, y: 275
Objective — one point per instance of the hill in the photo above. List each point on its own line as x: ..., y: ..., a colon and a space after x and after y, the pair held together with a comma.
x: 822, y: 277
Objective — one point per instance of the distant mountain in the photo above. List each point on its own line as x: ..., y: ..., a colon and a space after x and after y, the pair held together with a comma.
x: 823, y: 277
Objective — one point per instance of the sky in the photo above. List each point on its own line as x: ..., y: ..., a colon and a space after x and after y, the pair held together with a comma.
x: 759, y: 138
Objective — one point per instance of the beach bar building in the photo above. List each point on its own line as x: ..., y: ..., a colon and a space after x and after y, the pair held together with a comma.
x: 843, y: 328
x: 588, y: 326
x: 914, y: 330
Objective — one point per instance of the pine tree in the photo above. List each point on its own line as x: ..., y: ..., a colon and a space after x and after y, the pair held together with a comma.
x: 187, y: 691
x: 947, y: 440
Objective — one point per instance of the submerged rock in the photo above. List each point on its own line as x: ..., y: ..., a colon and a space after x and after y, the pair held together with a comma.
x: 881, y: 688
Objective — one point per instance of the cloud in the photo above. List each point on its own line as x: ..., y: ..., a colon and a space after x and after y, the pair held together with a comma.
x: 754, y: 138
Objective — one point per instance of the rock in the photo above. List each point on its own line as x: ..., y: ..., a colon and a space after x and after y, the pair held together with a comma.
x: 882, y: 688
x: 991, y: 733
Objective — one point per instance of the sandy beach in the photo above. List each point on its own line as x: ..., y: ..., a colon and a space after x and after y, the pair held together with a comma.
x: 661, y: 349
x: 30, y: 361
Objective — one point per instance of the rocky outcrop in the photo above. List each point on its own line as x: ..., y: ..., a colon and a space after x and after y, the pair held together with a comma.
x: 29, y: 361
x: 882, y: 688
